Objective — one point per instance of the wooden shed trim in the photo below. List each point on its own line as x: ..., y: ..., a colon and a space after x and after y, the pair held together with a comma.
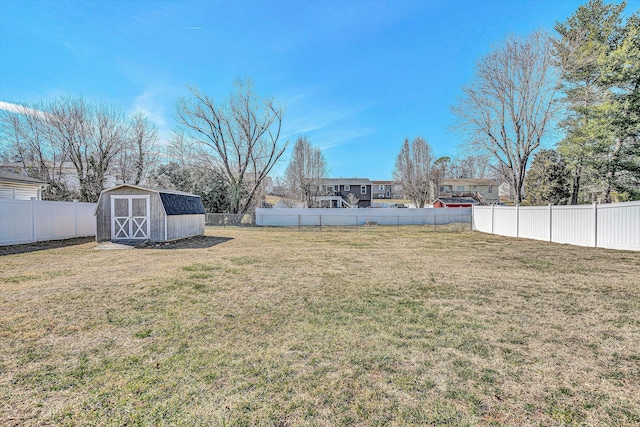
x: 137, y: 187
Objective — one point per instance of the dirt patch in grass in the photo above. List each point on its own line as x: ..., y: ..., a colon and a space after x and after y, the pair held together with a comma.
x: 383, y: 326
x: 41, y: 246
x: 196, y: 242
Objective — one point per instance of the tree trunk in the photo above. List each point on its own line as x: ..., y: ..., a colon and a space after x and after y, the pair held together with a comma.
x: 576, y: 189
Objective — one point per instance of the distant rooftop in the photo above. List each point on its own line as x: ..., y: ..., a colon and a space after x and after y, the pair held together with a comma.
x: 347, y: 181
x: 470, y: 181
x: 17, y: 177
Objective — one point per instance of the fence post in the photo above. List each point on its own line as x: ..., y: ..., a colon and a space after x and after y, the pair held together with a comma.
x: 33, y: 220
x: 471, y: 217
x: 517, y: 219
x: 299, y: 221
x: 595, y: 224
x: 550, y: 222
x: 492, y: 209
x: 75, y: 219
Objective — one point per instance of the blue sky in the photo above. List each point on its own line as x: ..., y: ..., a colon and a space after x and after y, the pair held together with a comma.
x: 357, y: 77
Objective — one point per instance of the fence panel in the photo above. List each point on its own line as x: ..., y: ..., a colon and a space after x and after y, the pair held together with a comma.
x: 534, y: 222
x: 483, y: 218
x: 57, y: 221
x: 28, y: 221
x: 505, y: 221
x: 573, y: 224
x: 289, y: 217
x: 16, y: 221
x: 615, y: 226
x: 85, y: 220
x: 618, y: 226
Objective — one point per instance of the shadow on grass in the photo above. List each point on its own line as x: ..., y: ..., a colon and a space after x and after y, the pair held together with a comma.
x: 42, y: 246
x: 197, y: 242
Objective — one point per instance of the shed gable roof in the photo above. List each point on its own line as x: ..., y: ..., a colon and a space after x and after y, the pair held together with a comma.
x: 458, y: 200
x: 173, y: 202
x: 182, y: 204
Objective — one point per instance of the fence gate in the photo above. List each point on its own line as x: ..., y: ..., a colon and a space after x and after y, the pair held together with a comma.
x: 129, y: 217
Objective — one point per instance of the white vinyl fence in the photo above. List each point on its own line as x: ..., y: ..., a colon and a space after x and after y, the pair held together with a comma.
x: 287, y: 217
x: 28, y: 221
x: 614, y: 225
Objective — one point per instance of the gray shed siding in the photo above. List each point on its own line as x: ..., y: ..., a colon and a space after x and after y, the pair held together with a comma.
x: 156, y: 213
x: 181, y: 226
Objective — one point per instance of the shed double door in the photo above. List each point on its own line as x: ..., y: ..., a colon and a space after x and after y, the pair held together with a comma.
x: 129, y: 217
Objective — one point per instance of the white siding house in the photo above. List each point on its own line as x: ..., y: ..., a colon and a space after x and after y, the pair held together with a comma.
x: 486, y: 189
x: 20, y: 187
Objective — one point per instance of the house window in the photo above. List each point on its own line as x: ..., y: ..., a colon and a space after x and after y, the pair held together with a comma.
x: 381, y: 187
x: 460, y: 187
x: 347, y: 188
x: 336, y: 188
x: 491, y: 189
x: 363, y: 189
x: 388, y: 193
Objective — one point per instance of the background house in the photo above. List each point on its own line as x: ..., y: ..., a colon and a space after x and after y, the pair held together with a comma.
x: 66, y: 173
x: 382, y: 189
x: 338, y: 191
x: 20, y: 187
x: 483, y: 190
x: 268, y: 185
x: 505, y: 191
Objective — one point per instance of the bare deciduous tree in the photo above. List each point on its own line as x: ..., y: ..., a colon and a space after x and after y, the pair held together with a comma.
x: 25, y: 137
x: 305, y: 173
x: 471, y: 166
x: 139, y: 153
x: 240, y: 136
x: 93, y: 135
x: 413, y: 170
x: 511, y: 103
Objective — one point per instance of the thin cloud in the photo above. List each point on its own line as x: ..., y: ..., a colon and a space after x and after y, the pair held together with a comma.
x: 154, y: 110
x: 194, y: 28
x: 341, y: 137
x: 152, y: 103
x: 313, y: 120
x: 20, y: 109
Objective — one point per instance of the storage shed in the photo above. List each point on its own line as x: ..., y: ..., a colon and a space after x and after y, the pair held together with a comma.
x: 455, y: 202
x: 130, y: 212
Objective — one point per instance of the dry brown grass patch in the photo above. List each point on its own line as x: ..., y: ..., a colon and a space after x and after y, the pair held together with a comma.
x: 382, y: 326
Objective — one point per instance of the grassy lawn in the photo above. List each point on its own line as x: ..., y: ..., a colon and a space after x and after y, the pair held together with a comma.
x: 277, y: 327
